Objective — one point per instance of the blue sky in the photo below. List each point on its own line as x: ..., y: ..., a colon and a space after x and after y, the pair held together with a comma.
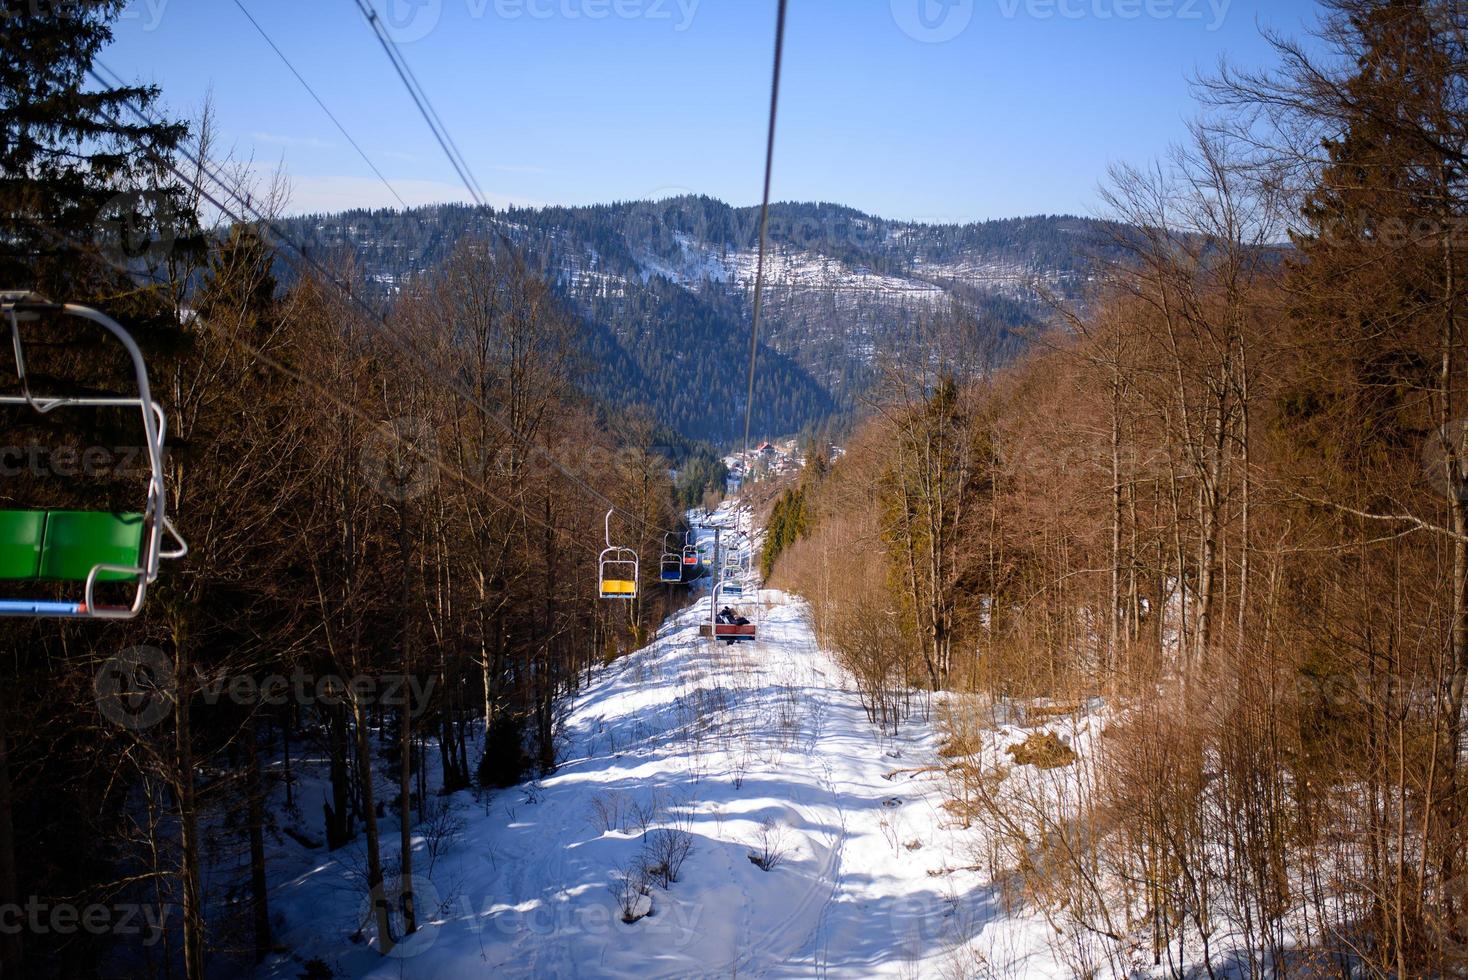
x: 941, y: 110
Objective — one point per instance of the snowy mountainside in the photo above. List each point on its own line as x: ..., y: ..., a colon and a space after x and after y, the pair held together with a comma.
x: 660, y: 284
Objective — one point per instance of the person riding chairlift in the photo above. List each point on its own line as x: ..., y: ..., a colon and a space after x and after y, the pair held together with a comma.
x: 729, y: 618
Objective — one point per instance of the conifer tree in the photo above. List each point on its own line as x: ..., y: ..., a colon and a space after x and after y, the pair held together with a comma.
x: 81, y: 184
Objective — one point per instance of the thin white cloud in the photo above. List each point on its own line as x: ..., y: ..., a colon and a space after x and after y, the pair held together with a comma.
x: 517, y: 168
x: 280, y: 139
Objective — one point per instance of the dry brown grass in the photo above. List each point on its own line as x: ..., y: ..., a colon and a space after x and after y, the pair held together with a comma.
x: 958, y: 745
x: 1043, y: 750
x: 1055, y: 710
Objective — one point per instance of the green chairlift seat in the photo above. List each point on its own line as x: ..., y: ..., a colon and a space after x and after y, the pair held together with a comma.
x: 87, y: 547
x: 64, y: 545
x: 22, y: 534
x: 78, y: 541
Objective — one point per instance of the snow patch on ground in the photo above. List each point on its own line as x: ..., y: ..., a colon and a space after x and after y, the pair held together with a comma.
x: 736, y: 744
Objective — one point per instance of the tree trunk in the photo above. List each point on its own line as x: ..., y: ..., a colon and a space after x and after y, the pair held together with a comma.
x: 381, y: 911
x: 10, y: 943
x: 405, y: 738
x: 255, y: 812
x: 1114, y: 606
x: 188, y: 818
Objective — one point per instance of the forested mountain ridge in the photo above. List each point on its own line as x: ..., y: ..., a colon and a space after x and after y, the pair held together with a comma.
x: 665, y: 289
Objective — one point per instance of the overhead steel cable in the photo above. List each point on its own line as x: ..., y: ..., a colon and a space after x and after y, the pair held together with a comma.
x: 422, y: 101
x: 249, y: 213
x: 329, y: 114
x: 764, y: 219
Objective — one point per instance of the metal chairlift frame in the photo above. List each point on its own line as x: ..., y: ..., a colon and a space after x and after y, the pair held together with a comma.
x: 671, y: 564
x: 718, y: 631
x: 615, y: 557
x: 24, y: 307
x: 732, y: 575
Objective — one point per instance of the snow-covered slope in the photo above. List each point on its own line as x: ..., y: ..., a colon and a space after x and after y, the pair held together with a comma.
x: 760, y: 750
x: 734, y: 744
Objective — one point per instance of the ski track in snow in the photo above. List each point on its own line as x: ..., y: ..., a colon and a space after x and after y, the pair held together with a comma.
x: 734, y: 735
